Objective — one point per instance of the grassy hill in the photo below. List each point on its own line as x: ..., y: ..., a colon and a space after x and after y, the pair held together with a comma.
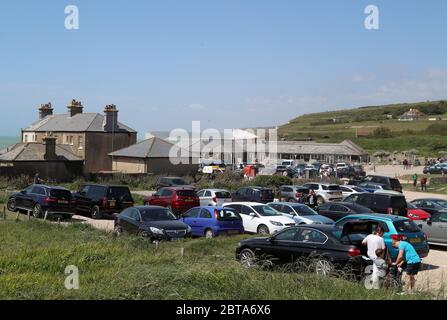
x: 428, y: 137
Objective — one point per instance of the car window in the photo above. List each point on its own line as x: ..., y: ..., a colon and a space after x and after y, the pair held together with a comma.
x: 266, y: 211
x: 166, y: 193
x: 287, y: 235
x: 60, y: 194
x: 428, y: 204
x: 304, y: 211
x: 278, y: 207
x: 287, y: 209
x: 339, y: 208
x: 205, y: 214
x: 186, y: 193
x: 310, y: 236
x: 352, y: 198
x: 345, y: 189
x: 287, y: 189
x: 223, y: 195
x: 193, y: 213
x: 208, y: 193
x: 442, y: 203
x: 120, y: 193
x: 134, y: 214
x: 227, y: 215
x: 156, y: 214
x: 201, y: 193
x: 126, y: 212
x: 38, y: 190
x: 406, y: 226
x: 84, y: 189
x: 97, y: 191
x: 324, y: 206
x: 246, y: 210
x: 235, y: 207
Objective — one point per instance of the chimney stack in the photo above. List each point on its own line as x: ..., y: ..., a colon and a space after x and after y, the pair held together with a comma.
x: 75, y: 108
x: 45, y: 110
x: 50, y: 147
x: 111, y: 118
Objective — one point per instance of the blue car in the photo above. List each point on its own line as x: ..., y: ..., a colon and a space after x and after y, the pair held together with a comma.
x: 372, y: 187
x: 299, y: 212
x: 210, y: 222
x: 392, y: 225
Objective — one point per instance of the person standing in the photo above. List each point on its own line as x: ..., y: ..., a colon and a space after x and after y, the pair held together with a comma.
x: 408, y: 259
x: 374, y: 242
x: 424, y: 183
x: 312, y: 199
x: 37, y: 178
x: 415, y: 180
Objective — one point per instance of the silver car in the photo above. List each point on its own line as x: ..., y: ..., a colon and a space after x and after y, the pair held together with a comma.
x: 214, y: 197
x: 294, y: 194
x: 347, y: 190
x: 325, y: 192
x: 301, y: 213
x: 436, y: 228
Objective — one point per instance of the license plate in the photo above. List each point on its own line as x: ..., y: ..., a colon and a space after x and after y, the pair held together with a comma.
x: 188, y: 200
x: 112, y: 203
x: 415, y: 240
x: 62, y: 202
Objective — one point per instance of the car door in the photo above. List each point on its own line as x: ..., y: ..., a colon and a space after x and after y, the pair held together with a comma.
x: 200, y: 194
x: 238, y: 195
x: 337, y: 211
x: 21, y: 196
x: 436, y: 228
x: 250, y: 222
x: 429, y: 206
x: 204, y: 221
x: 208, y: 198
x: 282, y: 247
x: 82, y: 201
x: 134, y: 221
x: 191, y: 218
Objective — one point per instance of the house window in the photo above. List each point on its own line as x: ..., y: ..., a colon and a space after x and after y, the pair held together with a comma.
x: 26, y: 138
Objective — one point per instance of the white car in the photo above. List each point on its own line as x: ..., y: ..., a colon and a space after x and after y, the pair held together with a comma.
x: 347, y: 190
x: 214, y: 197
x: 260, y: 218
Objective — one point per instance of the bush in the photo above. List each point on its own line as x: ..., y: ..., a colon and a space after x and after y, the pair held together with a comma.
x: 438, y: 128
x: 382, y: 132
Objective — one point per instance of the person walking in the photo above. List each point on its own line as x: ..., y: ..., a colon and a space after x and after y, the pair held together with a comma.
x: 407, y: 259
x: 424, y: 183
x: 415, y: 181
x: 374, y: 242
x: 312, y: 199
x: 37, y: 178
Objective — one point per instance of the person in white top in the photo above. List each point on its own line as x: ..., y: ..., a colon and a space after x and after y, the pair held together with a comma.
x: 374, y: 242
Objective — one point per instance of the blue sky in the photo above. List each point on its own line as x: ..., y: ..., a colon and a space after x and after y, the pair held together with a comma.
x: 227, y: 63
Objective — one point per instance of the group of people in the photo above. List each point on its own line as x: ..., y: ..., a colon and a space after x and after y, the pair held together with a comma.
x: 407, y: 164
x: 432, y: 162
x: 407, y: 259
x: 423, y: 181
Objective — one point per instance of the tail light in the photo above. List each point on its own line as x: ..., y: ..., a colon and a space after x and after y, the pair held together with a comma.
x: 354, y: 252
x: 298, y: 195
x: 50, y: 200
x: 425, y: 237
x: 389, y: 210
x: 105, y: 202
x: 214, y: 199
x: 216, y: 214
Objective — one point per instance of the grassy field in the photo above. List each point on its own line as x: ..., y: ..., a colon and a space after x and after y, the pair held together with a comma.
x: 405, y: 134
x: 34, y: 255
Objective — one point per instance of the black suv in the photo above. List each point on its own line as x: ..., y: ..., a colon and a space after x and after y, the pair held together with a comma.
x: 381, y: 203
x: 254, y: 194
x: 99, y: 200
x: 165, y: 182
x: 39, y: 199
x: 393, y: 183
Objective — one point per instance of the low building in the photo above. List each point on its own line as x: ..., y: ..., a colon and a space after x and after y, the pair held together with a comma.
x: 92, y: 136
x: 411, y: 115
x: 154, y: 156
x: 53, y: 162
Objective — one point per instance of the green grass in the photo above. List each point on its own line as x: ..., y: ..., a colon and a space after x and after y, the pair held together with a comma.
x: 34, y: 255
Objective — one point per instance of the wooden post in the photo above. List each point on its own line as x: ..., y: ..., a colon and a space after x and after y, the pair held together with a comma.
x: 182, y: 252
x: 17, y: 216
x: 59, y: 221
x: 4, y: 213
x: 46, y: 216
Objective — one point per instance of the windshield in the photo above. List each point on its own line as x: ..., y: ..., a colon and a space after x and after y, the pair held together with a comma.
x: 332, y: 188
x: 227, y: 215
x: 405, y: 226
x: 357, y: 189
x: 178, y: 182
x: 223, y: 195
x: 159, y: 214
x: 60, y: 194
x: 266, y: 211
x: 411, y: 206
x: 186, y: 193
x: 304, y: 211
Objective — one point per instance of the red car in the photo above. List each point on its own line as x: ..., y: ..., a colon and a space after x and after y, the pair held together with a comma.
x: 177, y: 199
x: 415, y: 213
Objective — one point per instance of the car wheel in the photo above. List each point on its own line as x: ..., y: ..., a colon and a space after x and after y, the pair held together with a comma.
x: 247, y: 258
x: 263, y: 229
x: 96, y: 213
x: 320, y: 201
x: 118, y: 230
x: 37, y: 211
x: 11, y: 205
x: 323, y: 267
x: 209, y: 234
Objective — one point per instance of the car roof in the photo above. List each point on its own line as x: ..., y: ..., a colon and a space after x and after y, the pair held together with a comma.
x: 178, y: 188
x: 429, y: 199
x: 148, y: 207
x: 215, y: 190
x: 377, y: 216
x: 288, y: 203
x: 49, y: 187
x: 245, y: 203
x: 104, y: 185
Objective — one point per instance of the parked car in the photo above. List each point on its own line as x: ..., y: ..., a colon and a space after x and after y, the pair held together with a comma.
x: 329, y: 249
x: 381, y: 203
x: 299, y: 212
x: 153, y: 222
x: 253, y: 194
x: 392, y: 225
x: 100, y: 200
x: 430, y: 205
x: 176, y: 199
x: 338, y: 210
x: 214, y: 197
x: 440, y: 168
x: 359, y: 172
x: 40, y: 199
x: 436, y: 228
x: 210, y: 222
x: 294, y: 194
x: 392, y: 183
x: 346, y: 172
x: 325, y: 192
x: 414, y: 213
x: 347, y: 190
x: 165, y: 182
x: 260, y: 218
x: 373, y: 186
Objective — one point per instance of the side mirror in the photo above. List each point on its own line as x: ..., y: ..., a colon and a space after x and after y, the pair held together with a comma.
x: 253, y: 215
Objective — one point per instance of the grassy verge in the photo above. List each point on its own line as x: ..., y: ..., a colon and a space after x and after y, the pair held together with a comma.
x: 437, y: 189
x: 34, y: 255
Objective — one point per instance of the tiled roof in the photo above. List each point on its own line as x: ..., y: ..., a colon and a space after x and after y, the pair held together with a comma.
x: 82, y: 122
x: 36, y: 152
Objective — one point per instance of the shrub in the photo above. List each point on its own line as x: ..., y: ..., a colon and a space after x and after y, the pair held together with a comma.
x: 438, y: 128
x: 382, y: 132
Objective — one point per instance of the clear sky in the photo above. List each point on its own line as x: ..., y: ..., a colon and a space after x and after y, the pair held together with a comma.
x: 228, y: 63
